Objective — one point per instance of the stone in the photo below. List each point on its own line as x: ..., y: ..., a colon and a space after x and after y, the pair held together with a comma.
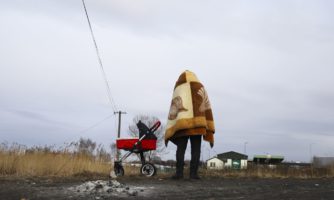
x: 132, y: 192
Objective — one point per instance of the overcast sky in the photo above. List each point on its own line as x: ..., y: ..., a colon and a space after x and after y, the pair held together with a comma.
x: 267, y: 67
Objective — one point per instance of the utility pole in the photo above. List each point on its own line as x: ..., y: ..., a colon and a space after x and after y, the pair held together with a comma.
x: 119, y: 129
x: 311, y: 154
x: 245, y: 147
x: 119, y: 122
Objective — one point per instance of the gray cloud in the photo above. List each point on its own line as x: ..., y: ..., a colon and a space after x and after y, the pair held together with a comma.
x: 33, y: 116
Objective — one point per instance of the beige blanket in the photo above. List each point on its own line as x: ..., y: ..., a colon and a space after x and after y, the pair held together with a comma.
x: 190, y: 112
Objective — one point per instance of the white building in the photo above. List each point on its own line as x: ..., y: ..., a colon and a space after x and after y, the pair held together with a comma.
x: 215, y: 163
x: 229, y: 159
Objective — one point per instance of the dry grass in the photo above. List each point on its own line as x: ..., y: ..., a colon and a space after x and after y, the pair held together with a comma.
x: 57, y: 165
x: 49, y: 164
x: 17, y: 160
x: 278, y: 172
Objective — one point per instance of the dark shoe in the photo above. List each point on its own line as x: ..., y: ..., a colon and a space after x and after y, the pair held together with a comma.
x: 193, y: 173
x: 179, y: 171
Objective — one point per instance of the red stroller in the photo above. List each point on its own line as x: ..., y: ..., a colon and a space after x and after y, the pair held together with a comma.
x: 147, y: 141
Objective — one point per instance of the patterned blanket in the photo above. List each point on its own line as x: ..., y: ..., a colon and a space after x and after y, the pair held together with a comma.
x: 190, y: 112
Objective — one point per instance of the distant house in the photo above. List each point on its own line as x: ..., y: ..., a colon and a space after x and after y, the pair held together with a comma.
x: 323, y: 162
x: 231, y: 159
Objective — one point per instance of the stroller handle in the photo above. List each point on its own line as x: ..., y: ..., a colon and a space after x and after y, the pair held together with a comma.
x: 155, y: 126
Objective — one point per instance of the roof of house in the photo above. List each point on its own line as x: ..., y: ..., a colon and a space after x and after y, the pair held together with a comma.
x: 213, y: 158
x: 232, y: 155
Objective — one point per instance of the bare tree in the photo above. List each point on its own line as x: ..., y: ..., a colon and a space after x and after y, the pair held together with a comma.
x: 149, y: 121
x: 86, y: 146
x: 102, y: 154
x: 114, y: 151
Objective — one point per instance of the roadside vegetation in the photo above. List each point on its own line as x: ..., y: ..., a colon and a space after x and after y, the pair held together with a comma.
x: 280, y: 171
x: 77, y: 158
x: 86, y: 158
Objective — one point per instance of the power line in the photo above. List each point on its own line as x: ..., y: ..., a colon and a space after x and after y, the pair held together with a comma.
x: 96, y: 124
x: 111, y: 100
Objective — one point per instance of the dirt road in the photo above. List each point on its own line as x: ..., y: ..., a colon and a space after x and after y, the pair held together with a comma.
x: 164, y: 188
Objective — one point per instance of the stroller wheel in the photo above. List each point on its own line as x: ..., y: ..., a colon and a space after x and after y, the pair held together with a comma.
x: 119, y: 170
x: 148, y: 169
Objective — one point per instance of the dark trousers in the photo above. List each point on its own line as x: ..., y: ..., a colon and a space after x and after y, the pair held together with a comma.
x: 181, y: 143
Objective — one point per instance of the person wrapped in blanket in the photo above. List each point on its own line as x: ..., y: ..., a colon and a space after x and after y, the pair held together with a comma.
x: 190, y: 118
